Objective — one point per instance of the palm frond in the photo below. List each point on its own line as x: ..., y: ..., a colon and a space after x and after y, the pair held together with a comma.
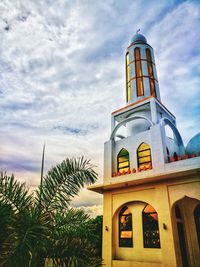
x: 73, y: 240
x: 14, y: 193
x: 63, y: 182
x: 26, y: 240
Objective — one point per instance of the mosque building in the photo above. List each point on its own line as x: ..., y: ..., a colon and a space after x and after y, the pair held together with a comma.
x: 151, y: 185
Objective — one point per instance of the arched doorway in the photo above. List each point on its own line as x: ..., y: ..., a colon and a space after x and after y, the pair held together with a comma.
x: 186, y: 226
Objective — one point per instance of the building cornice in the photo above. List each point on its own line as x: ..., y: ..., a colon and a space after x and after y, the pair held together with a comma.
x: 152, y: 177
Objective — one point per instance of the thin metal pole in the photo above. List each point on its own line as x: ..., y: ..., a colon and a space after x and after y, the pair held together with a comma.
x: 41, y: 178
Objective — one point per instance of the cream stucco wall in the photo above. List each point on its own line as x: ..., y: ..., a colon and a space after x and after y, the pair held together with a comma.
x: 161, y: 195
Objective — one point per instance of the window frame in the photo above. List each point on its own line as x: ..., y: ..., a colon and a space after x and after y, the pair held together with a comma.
x: 150, y: 75
x: 152, y: 232
x: 121, y: 169
x: 128, y: 78
x: 146, y: 163
x: 138, y: 73
x: 122, y: 240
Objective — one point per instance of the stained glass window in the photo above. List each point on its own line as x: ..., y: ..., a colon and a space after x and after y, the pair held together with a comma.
x: 123, y: 160
x: 144, y: 155
x: 125, y: 228
x: 151, y: 235
x: 128, y: 78
x: 138, y: 73
x: 150, y: 72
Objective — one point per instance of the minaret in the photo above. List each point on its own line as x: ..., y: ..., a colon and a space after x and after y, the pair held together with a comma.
x: 151, y: 183
x: 144, y: 117
x: 141, y: 77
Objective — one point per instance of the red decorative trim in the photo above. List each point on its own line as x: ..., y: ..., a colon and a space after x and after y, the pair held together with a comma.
x: 179, y: 157
x: 129, y: 171
x: 133, y: 170
x: 172, y: 159
x: 150, y: 167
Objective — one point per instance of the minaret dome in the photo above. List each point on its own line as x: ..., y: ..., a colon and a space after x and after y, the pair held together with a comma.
x: 138, y: 38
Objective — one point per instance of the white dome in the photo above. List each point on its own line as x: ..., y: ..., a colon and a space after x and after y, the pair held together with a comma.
x: 193, y: 145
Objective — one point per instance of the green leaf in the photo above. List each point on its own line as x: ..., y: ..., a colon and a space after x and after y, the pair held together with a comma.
x: 63, y: 182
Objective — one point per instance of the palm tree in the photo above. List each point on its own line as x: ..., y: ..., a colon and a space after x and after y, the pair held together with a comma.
x: 39, y: 225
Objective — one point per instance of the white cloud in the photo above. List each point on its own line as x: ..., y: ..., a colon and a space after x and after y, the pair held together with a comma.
x: 62, y: 74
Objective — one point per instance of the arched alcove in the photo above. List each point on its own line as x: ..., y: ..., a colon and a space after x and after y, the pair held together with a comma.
x: 176, y: 135
x: 135, y: 230
x: 129, y: 119
x: 186, y: 224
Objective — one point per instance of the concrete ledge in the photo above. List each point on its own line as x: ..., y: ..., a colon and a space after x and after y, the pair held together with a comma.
x: 149, y: 177
x: 120, y: 263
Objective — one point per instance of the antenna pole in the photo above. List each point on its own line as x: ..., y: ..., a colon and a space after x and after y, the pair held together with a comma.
x: 41, y: 178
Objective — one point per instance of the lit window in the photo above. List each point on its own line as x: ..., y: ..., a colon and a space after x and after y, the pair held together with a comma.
x: 123, y: 160
x: 138, y: 73
x: 144, y: 156
x: 150, y: 227
x: 128, y: 78
x: 125, y: 228
x: 150, y: 72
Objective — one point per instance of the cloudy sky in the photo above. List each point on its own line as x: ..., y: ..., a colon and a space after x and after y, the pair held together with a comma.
x: 62, y: 74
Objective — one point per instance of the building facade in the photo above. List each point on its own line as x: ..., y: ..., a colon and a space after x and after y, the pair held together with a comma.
x: 151, y: 186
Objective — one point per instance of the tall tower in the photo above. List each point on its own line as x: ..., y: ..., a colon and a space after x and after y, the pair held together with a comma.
x: 151, y: 182
x: 141, y: 77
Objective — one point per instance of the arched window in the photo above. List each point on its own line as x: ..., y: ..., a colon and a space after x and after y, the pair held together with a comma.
x: 138, y: 73
x: 151, y: 235
x: 144, y: 156
x: 125, y: 228
x: 123, y: 160
x: 150, y: 72
x: 197, y: 222
x: 128, y: 78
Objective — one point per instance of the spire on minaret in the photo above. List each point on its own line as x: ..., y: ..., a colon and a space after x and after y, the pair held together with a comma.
x: 141, y: 77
